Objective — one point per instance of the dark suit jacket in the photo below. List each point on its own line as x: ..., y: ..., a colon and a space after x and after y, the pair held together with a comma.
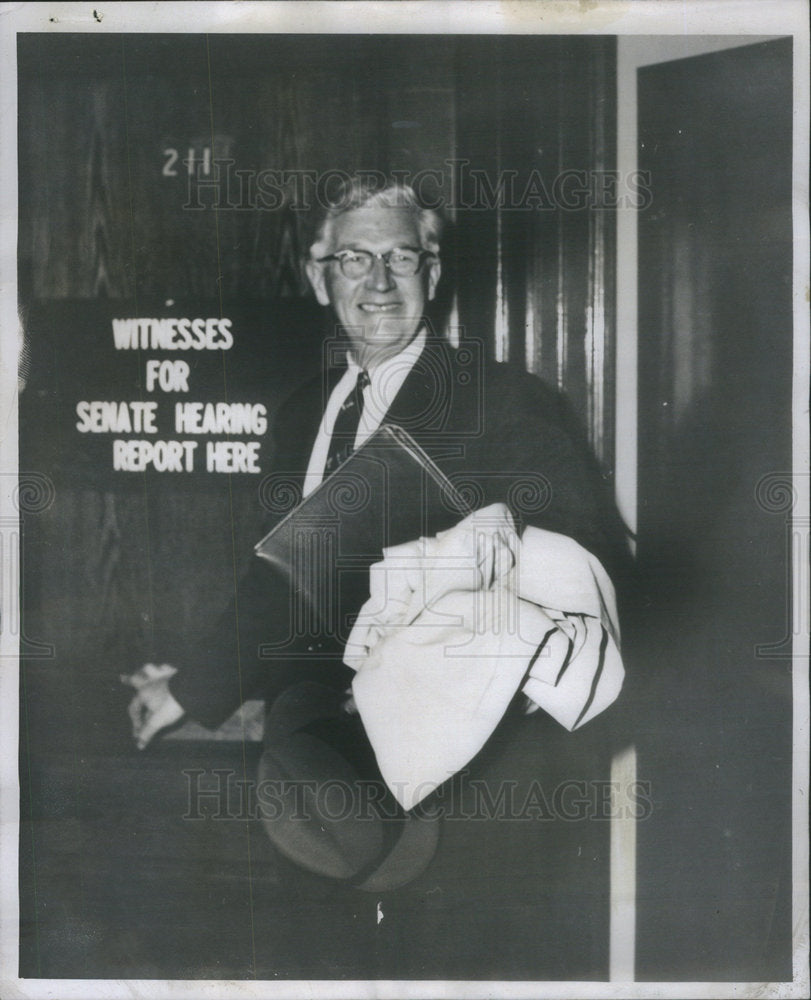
x: 500, y: 434
x: 536, y: 891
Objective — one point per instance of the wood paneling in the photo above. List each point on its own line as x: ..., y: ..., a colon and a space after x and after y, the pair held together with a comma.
x: 108, y: 227
x: 536, y: 257
x: 100, y: 220
x: 98, y: 216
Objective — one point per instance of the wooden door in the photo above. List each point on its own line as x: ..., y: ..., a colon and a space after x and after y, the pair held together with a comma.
x: 715, y: 378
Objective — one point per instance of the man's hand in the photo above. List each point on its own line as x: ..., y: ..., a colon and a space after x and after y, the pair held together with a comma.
x: 153, y: 708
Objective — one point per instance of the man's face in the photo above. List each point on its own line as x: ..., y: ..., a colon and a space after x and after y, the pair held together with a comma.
x: 380, y: 312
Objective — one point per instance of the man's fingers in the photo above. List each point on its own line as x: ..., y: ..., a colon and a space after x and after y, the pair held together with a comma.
x: 148, y: 674
x: 146, y: 733
x: 139, y: 677
x: 147, y: 727
x: 153, y: 707
x: 135, y: 710
x: 168, y: 713
x: 158, y: 672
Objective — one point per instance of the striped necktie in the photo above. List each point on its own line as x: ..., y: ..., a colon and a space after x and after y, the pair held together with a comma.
x: 342, y: 443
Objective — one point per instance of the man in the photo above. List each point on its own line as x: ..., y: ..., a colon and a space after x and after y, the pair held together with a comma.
x: 499, y: 434
x: 381, y: 313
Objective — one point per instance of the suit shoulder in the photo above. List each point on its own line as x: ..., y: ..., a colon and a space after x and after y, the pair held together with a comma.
x: 302, y: 394
x: 517, y: 393
x: 295, y: 423
x: 305, y: 400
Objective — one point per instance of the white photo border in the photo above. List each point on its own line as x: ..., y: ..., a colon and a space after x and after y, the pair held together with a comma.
x: 682, y: 28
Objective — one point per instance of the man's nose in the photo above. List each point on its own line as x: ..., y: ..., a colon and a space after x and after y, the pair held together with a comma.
x: 380, y: 277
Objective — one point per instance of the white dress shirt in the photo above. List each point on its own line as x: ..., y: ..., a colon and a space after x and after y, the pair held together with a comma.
x: 385, y: 382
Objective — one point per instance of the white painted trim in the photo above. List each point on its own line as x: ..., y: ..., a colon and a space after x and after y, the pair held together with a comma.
x: 622, y: 893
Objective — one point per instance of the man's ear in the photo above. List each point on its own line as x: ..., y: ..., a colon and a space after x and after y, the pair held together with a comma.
x: 434, y: 271
x: 316, y: 276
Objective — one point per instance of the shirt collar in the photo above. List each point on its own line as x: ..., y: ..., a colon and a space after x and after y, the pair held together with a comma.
x: 404, y: 361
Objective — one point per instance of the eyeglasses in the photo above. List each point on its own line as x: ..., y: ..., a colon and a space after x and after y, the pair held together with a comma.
x: 404, y: 262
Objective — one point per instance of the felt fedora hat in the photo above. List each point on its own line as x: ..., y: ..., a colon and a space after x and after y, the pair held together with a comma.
x: 323, y: 802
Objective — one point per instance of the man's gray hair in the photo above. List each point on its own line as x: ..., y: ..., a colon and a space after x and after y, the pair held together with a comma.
x: 362, y: 190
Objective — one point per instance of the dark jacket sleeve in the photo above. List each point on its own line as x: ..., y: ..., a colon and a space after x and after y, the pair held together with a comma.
x: 534, y: 456
x: 222, y: 663
x: 529, y: 454
x: 249, y: 649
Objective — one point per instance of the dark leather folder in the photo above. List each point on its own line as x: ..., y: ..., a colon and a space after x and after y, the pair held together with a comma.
x: 387, y: 492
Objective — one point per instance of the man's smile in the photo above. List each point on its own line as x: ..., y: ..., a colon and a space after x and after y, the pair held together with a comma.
x: 379, y: 307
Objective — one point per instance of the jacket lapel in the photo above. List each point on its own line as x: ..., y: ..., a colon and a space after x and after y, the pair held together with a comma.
x: 424, y: 401
x: 423, y: 407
